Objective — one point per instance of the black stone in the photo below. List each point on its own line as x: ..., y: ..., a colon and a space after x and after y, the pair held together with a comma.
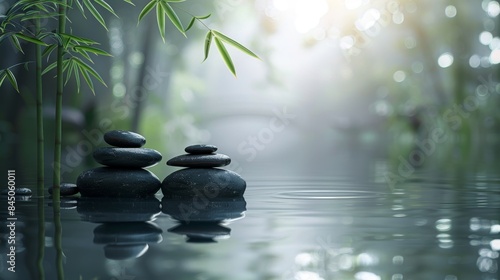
x: 124, y: 139
x: 201, y: 161
x: 66, y: 189
x: 104, y: 210
x: 117, y: 182
x: 19, y: 192
x: 127, y: 157
x: 208, y: 183
x: 203, y: 209
x: 201, y: 149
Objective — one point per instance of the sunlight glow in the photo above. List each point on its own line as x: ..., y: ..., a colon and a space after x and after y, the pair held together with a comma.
x: 307, y: 13
x: 368, y: 20
x: 354, y: 4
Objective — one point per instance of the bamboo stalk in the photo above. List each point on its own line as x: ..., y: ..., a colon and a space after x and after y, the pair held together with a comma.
x: 40, y: 156
x: 57, y: 149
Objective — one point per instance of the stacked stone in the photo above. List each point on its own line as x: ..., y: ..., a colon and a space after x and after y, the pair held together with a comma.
x: 201, y: 179
x: 124, y: 174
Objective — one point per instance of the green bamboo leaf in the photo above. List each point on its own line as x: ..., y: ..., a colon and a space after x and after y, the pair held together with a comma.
x: 4, y: 35
x: 225, y: 55
x: 89, y: 69
x: 82, y: 40
x: 160, y: 18
x: 93, y: 50
x: 87, y: 79
x: 15, y: 42
x: 50, y: 67
x: 147, y: 9
x: 84, y: 54
x: 31, y: 39
x: 48, y: 51
x: 80, y: 7
x: 191, y: 22
x: 12, y: 79
x: 175, y: 1
x: 203, y: 17
x: 173, y: 17
x: 208, y: 42
x: 3, y: 75
x: 95, y: 13
x: 106, y: 6
x: 130, y: 2
x: 66, y: 64
x: 33, y: 15
x: 77, y: 78
x: 69, y: 73
x: 234, y: 43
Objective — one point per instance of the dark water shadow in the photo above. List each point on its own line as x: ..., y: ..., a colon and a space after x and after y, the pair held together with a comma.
x: 203, y: 221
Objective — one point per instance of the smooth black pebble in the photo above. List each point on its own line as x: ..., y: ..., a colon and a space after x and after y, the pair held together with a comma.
x: 210, y: 183
x: 202, y: 161
x: 200, y: 149
x: 66, y: 189
x: 19, y: 192
x: 124, y: 139
x: 127, y: 157
x: 117, y: 182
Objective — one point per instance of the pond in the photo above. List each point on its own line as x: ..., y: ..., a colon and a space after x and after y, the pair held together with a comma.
x: 307, y: 214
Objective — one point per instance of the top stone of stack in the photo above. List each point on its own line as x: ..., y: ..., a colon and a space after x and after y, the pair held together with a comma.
x: 124, y: 139
x: 200, y: 149
x: 200, y: 156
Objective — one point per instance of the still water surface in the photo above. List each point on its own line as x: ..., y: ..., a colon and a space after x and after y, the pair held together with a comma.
x: 293, y: 228
x: 314, y: 209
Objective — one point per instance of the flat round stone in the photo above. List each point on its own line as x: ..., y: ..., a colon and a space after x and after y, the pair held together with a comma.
x: 66, y: 189
x: 117, y: 182
x: 124, y: 139
x: 201, y: 161
x: 127, y: 157
x: 200, y: 149
x: 18, y: 191
x: 203, y: 183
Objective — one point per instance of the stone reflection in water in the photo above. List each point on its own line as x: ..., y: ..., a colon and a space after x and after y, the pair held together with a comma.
x: 127, y: 226
x: 126, y: 240
x: 203, y: 222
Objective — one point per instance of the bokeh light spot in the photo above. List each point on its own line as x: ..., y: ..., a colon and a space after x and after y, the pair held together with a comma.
x: 399, y: 76
x: 485, y: 38
x: 450, y: 11
x: 445, y: 60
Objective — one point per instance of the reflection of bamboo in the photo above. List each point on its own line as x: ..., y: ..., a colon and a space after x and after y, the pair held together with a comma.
x: 58, y: 240
x: 41, y: 235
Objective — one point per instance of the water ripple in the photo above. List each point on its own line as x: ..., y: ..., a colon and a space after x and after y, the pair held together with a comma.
x: 327, y: 194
